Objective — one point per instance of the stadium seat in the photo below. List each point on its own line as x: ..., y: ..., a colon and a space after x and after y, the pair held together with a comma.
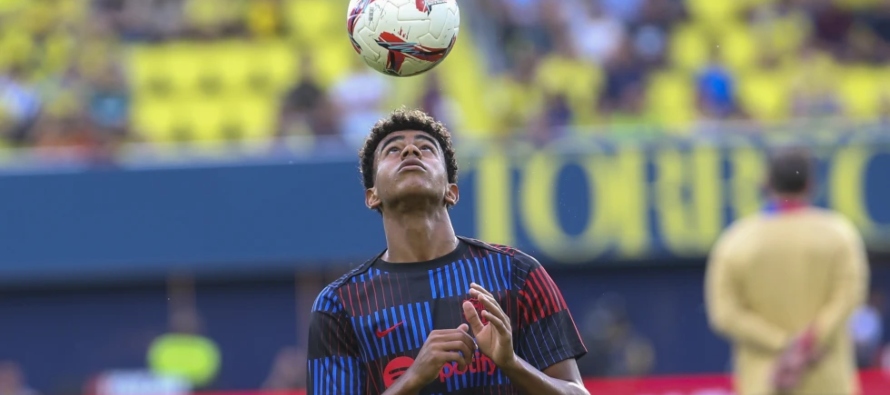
x: 738, y: 47
x: 714, y: 12
x: 765, y: 95
x: 577, y: 80
x: 252, y: 117
x: 153, y: 119
x: 311, y: 21
x: 184, y: 66
x: 689, y: 47
x: 860, y: 90
x: 275, y: 62
x: 671, y: 98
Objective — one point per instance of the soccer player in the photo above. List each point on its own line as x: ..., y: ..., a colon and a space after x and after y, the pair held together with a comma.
x: 781, y: 286
x: 435, y: 313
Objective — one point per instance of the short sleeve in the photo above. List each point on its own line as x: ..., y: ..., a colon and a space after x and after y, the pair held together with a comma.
x: 334, y: 360
x: 546, y: 331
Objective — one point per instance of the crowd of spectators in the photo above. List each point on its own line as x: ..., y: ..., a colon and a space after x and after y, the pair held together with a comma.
x: 556, y: 65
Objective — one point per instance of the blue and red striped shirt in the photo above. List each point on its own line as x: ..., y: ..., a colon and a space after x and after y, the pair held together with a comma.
x: 368, y: 326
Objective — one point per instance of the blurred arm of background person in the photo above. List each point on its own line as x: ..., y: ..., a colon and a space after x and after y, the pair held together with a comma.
x: 726, y: 308
x: 850, y: 288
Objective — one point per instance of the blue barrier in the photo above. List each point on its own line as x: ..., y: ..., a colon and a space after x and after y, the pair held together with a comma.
x: 591, y: 203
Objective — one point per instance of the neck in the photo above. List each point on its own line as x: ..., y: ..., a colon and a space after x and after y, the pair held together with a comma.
x: 783, y: 201
x: 418, y: 237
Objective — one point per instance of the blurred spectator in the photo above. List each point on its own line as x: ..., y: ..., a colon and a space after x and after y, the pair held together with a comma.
x: 831, y: 24
x: 359, y: 98
x: 288, y: 370
x: 867, y: 325
x: 626, y: 10
x: 615, y: 349
x: 307, y: 110
x: 624, y: 71
x: 19, y: 102
x: 12, y: 380
x: 595, y: 34
x: 438, y: 103
x: 716, y: 89
x: 813, y: 90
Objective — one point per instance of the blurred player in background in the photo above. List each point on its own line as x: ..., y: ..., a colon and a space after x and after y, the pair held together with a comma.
x: 781, y: 286
x: 436, y: 313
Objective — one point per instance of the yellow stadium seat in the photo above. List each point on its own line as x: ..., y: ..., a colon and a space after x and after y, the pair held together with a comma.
x: 577, y: 80
x: 765, y: 95
x: 689, y: 47
x: 153, y: 119
x: 738, y: 48
x: 277, y: 63
x: 714, y: 12
x: 146, y: 66
x: 311, y: 21
x: 337, y: 61
x: 859, y: 89
x: 204, y: 118
x: 234, y: 63
x: 253, y: 117
x: 671, y: 99
x: 185, y: 65
x: 10, y: 6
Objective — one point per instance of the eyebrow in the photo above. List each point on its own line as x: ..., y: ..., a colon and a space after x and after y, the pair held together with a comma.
x: 402, y: 137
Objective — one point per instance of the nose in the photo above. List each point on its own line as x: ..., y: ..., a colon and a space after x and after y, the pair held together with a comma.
x: 410, y: 149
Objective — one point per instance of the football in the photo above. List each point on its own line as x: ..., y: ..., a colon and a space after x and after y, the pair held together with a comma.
x: 403, y: 37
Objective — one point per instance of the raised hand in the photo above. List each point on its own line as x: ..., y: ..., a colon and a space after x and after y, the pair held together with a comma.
x: 494, y: 337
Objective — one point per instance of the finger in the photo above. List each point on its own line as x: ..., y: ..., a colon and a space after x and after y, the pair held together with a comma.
x: 480, y: 289
x: 472, y: 317
x: 492, y: 306
x: 498, y: 323
x: 464, y: 351
x: 463, y: 328
x: 450, y: 356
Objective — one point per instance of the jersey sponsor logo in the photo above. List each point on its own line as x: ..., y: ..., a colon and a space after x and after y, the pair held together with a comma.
x: 481, y: 364
x: 395, y: 369
x: 382, y: 333
x: 398, y: 366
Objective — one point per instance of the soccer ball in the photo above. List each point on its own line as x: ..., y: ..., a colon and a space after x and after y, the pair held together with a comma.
x: 403, y: 37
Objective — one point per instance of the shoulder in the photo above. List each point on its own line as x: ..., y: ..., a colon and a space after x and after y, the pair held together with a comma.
x: 841, y: 227
x: 328, y: 300
x: 517, y: 258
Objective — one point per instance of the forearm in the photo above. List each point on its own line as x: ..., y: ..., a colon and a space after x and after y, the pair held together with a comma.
x: 532, y: 381
x: 405, y: 385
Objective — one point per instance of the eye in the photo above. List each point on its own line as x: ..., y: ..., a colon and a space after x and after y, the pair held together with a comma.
x: 427, y: 147
x: 392, y: 150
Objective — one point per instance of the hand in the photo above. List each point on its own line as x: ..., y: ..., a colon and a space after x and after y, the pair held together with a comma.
x: 495, y: 337
x: 441, y: 346
x: 795, y: 360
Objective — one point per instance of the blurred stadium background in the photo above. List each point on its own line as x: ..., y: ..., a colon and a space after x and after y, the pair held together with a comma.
x: 178, y: 177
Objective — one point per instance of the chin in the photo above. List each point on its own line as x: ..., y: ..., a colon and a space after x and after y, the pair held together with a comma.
x: 415, y: 192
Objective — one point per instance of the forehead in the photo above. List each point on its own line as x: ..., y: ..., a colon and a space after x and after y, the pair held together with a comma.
x: 411, y: 136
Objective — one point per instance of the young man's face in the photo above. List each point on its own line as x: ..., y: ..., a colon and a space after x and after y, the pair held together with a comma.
x: 410, y: 165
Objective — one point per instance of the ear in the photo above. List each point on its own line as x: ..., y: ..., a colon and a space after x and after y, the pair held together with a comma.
x: 372, y: 201
x: 452, y: 195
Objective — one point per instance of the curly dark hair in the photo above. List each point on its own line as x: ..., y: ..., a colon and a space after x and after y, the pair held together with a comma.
x: 400, y: 120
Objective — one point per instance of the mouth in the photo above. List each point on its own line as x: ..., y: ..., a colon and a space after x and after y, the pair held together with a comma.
x: 412, y: 164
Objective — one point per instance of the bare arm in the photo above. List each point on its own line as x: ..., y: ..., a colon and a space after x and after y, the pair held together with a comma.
x: 561, y: 378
